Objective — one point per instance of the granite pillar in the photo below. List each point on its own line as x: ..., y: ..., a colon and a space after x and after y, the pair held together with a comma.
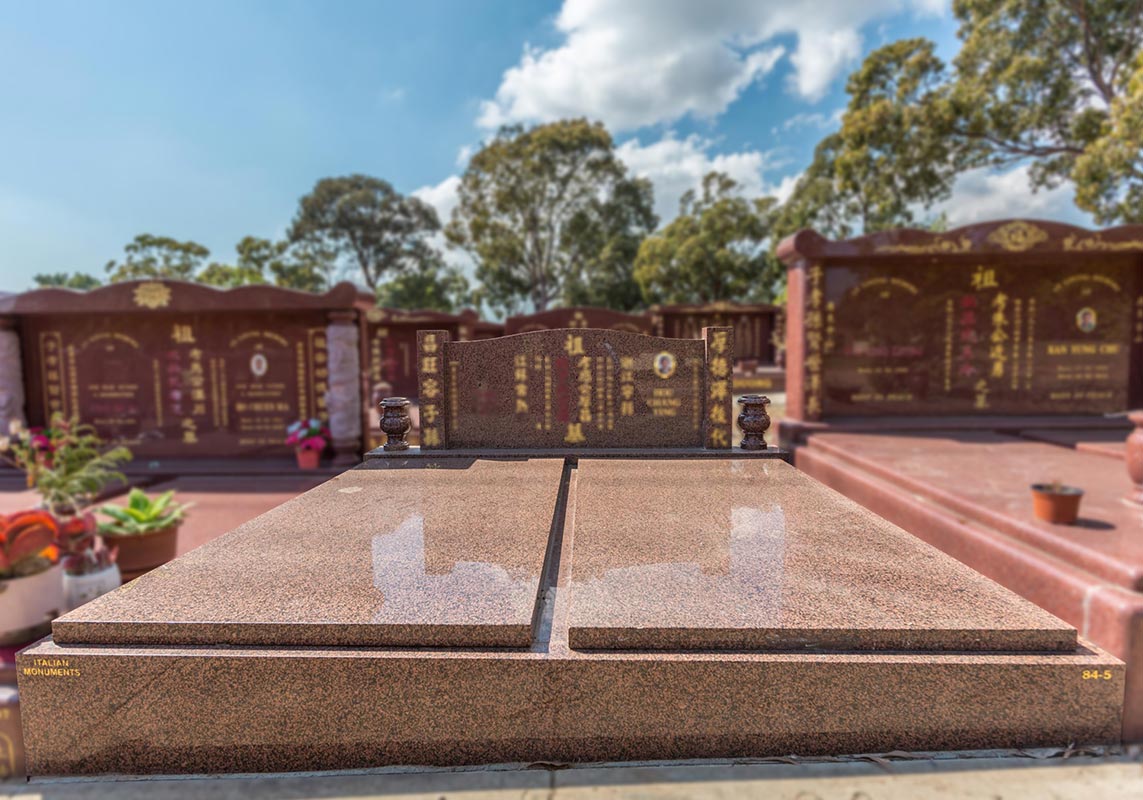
x: 345, y: 386
x: 11, y: 376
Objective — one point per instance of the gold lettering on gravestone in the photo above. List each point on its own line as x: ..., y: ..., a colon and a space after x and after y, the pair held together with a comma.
x: 1017, y: 334
x: 1139, y: 320
x: 626, y: 386
x: 521, y: 374
x: 430, y: 380
x: 51, y: 668
x: 718, y: 357
x: 814, y: 344
x: 182, y: 334
x: 1030, y: 344
x: 983, y: 278
x: 999, y: 335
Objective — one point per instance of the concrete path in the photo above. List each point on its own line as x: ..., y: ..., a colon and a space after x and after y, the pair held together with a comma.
x: 972, y: 775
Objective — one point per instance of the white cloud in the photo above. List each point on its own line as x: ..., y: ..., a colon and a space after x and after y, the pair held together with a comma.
x: 642, y: 62
x: 442, y: 196
x: 985, y: 195
x: 675, y: 165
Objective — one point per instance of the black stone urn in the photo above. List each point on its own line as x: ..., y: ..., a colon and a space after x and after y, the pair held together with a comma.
x: 753, y: 421
x: 395, y: 422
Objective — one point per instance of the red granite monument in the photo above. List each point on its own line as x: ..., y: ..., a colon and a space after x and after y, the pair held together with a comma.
x: 611, y: 598
x: 183, y: 370
x: 934, y: 377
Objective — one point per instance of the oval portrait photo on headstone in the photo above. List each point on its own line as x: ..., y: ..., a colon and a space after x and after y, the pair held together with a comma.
x: 259, y: 364
x: 1086, y: 319
x: 664, y: 365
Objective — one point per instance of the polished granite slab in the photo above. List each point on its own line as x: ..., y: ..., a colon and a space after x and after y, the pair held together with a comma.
x: 165, y: 709
x: 755, y: 555
x: 426, y: 557
x: 985, y: 477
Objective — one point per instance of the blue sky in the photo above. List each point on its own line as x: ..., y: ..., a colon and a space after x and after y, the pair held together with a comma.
x: 208, y: 120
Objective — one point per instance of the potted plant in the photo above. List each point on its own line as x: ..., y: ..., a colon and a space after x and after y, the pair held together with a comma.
x: 88, y: 563
x: 309, y: 438
x: 31, y: 586
x: 66, y: 463
x: 1056, y: 503
x: 145, y: 531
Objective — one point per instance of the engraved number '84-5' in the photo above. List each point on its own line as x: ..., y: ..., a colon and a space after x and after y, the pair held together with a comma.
x: 1097, y: 674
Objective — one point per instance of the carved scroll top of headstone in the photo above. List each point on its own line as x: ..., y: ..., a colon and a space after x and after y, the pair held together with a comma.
x: 575, y: 388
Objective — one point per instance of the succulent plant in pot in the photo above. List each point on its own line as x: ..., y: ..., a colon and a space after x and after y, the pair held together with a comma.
x: 31, y: 583
x: 145, y: 531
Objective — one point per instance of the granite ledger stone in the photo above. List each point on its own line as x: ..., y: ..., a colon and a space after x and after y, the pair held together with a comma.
x: 543, y: 611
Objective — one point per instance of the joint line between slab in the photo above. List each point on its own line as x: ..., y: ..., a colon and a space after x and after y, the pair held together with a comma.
x: 549, y: 575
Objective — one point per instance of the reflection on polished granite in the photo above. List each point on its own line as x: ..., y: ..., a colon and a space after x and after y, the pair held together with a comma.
x: 373, y: 557
x: 744, y: 554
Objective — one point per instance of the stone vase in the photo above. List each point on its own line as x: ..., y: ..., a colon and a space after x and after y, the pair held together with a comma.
x: 1135, y: 458
x: 753, y: 421
x: 395, y: 422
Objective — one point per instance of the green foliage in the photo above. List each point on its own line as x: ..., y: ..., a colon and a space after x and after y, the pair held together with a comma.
x: 611, y: 244
x: 63, y: 280
x: 66, y: 463
x: 142, y: 514
x: 158, y: 257
x: 714, y: 250
x: 546, y: 211
x: 364, y: 223
x: 433, y: 285
x: 1109, y: 175
x: 255, y: 256
x: 1053, y: 85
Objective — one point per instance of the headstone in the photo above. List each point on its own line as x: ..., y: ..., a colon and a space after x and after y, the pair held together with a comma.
x: 753, y: 324
x: 1003, y: 318
x: 578, y: 317
x: 183, y: 370
x: 575, y: 388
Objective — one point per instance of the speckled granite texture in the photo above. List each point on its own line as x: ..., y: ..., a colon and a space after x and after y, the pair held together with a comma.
x: 112, y: 709
x: 425, y: 557
x: 754, y: 554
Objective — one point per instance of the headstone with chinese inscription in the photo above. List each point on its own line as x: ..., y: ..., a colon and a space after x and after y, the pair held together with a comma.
x: 182, y: 370
x: 1004, y: 318
x: 575, y: 387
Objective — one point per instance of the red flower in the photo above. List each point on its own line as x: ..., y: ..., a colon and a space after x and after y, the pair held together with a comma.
x: 27, y: 534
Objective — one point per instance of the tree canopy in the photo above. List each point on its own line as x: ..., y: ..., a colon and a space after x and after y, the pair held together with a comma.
x: 64, y: 280
x: 433, y: 285
x: 150, y: 256
x: 1053, y: 85
x: 716, y: 249
x: 549, y: 211
x: 367, y: 226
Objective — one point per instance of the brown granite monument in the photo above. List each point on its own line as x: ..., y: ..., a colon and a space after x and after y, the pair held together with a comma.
x: 1008, y: 318
x: 575, y: 388
x: 183, y: 370
x: 597, y: 603
x: 934, y: 377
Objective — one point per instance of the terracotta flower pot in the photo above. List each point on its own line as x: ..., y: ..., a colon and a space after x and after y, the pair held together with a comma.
x: 307, y: 459
x: 29, y: 603
x: 1056, y: 503
x: 141, y: 553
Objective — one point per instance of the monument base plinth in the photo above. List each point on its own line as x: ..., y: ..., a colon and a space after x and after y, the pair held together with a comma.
x: 119, y: 710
